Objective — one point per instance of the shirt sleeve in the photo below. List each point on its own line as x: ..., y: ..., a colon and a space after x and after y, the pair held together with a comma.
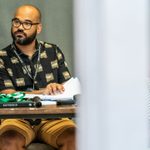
x: 63, y: 71
x: 5, y: 81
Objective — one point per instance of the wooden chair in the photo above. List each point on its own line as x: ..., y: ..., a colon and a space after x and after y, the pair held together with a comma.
x: 40, y: 146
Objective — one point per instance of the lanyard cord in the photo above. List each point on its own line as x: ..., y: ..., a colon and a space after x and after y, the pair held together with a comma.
x: 26, y: 68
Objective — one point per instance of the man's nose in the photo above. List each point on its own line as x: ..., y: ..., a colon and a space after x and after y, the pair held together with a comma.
x: 21, y: 27
x: 20, y: 30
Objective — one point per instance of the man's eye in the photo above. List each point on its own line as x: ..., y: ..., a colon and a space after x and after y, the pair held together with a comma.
x: 27, y: 23
x: 17, y: 21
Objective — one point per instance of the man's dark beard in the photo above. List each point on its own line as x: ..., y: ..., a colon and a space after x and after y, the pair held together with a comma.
x: 23, y: 41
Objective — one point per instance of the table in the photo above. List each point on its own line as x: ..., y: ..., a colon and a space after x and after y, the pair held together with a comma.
x: 46, y: 111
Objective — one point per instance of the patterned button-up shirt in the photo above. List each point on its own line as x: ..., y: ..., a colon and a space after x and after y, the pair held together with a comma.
x: 19, y: 72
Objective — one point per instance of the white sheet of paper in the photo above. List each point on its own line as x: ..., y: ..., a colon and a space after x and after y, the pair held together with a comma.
x: 72, y: 88
x: 46, y: 102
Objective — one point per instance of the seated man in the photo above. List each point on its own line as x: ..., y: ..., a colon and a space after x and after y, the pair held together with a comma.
x: 35, y: 67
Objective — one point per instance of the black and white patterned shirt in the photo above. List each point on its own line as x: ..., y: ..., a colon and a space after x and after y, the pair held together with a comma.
x: 19, y: 72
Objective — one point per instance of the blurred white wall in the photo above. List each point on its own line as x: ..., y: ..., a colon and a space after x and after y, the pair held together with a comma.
x: 111, y: 60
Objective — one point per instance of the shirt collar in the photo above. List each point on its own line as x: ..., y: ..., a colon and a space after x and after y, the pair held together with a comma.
x: 14, y: 46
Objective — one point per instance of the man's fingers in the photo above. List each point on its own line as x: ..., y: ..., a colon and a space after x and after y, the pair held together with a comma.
x: 55, y: 88
x: 60, y: 88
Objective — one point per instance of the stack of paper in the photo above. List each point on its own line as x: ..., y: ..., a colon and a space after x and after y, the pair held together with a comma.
x: 72, y: 88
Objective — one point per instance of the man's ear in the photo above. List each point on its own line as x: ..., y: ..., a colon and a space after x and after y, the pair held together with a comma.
x: 39, y: 28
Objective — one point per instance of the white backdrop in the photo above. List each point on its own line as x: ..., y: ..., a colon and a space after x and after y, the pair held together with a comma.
x: 111, y: 56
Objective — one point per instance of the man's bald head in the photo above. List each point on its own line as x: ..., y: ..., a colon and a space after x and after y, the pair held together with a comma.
x: 30, y: 10
x: 26, y: 24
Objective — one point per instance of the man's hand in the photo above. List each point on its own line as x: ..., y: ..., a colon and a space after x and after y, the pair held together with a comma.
x: 50, y: 89
x: 53, y: 89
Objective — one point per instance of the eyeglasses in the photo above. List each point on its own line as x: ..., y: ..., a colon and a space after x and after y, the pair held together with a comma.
x: 26, y: 24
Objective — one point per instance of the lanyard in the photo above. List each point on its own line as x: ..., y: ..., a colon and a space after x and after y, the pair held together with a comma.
x: 33, y: 77
x: 14, y: 97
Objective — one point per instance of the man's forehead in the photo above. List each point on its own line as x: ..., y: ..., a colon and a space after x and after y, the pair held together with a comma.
x: 28, y: 12
x: 23, y: 18
x: 26, y: 15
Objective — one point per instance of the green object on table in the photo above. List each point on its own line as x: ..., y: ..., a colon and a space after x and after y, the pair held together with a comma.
x: 14, y: 97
